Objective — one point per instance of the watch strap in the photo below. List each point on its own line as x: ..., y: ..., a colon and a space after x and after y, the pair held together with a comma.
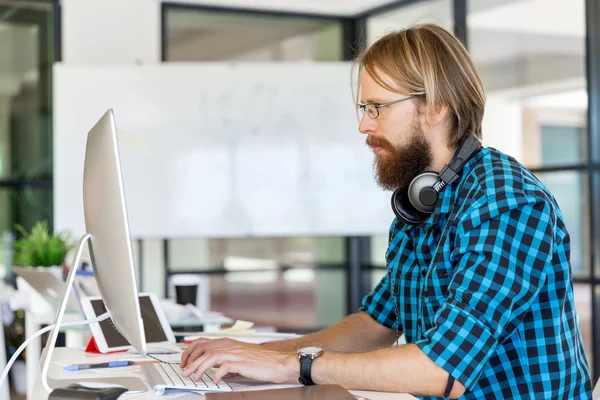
x: 449, y: 386
x: 305, y: 370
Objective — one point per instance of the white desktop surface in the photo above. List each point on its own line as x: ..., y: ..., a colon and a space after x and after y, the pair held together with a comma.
x: 76, y: 336
x: 66, y: 355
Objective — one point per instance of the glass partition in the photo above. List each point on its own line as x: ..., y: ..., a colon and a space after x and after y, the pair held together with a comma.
x: 208, y: 35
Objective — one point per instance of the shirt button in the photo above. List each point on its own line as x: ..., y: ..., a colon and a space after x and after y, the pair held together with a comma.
x: 467, y: 296
x: 424, y: 272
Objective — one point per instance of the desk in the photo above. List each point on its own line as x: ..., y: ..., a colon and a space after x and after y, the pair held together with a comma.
x: 79, y: 336
x: 33, y: 323
x: 132, y: 377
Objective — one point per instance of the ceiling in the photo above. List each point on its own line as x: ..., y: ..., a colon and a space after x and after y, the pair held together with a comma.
x: 539, y: 17
x: 324, y: 7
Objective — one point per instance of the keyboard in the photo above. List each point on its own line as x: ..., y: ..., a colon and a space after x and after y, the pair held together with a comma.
x: 163, y: 376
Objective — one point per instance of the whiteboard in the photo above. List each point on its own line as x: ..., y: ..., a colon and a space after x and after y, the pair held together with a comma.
x: 222, y: 150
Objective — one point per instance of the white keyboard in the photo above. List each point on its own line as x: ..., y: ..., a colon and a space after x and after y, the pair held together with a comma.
x: 162, y: 376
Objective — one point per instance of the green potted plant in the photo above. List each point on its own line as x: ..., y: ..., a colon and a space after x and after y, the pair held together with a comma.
x: 40, y: 248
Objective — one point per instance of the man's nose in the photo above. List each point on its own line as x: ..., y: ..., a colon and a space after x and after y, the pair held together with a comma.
x: 367, y: 124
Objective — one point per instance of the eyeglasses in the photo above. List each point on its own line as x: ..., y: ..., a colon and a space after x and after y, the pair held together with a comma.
x: 372, y: 110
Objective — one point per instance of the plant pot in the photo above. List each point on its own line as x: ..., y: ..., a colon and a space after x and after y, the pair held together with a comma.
x: 56, y: 270
x: 18, y: 374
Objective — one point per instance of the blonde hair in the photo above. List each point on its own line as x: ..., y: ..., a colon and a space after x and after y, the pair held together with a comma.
x: 429, y: 62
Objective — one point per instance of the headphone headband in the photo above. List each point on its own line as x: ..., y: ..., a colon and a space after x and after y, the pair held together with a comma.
x: 463, y: 154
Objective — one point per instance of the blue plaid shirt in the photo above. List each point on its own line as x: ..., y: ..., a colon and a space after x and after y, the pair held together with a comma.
x: 484, y: 286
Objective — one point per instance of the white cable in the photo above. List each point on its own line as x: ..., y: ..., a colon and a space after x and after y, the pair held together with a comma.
x: 41, y: 332
x: 51, y: 343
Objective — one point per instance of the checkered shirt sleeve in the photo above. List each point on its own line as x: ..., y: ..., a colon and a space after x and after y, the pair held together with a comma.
x: 379, y: 305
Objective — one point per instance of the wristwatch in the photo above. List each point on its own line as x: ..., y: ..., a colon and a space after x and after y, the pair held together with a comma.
x: 306, y: 355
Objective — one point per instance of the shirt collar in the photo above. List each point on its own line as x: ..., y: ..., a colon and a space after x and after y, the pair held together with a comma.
x: 449, y: 194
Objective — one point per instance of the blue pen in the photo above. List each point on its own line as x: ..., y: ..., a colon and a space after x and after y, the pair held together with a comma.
x: 111, y: 364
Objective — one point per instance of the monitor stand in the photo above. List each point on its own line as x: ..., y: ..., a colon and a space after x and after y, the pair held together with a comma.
x: 49, y: 349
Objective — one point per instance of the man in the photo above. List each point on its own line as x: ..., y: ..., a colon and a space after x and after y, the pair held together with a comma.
x: 481, y: 289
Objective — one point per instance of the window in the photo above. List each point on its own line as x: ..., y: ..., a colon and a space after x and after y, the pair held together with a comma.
x: 291, y: 283
x: 208, y: 35
x: 25, y: 119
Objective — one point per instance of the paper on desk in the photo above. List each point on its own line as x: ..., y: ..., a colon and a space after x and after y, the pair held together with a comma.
x: 241, y: 330
x: 239, y: 326
x: 244, y: 336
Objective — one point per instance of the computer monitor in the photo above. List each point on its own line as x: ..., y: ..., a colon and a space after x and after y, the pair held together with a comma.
x: 106, y: 221
x: 109, y: 243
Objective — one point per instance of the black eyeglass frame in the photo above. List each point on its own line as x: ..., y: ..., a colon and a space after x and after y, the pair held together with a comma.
x: 364, y: 108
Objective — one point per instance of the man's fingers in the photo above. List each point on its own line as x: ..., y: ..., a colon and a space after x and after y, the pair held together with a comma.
x: 227, y: 369
x: 201, y: 345
x: 198, y: 353
x: 202, y: 342
x: 186, y: 354
x: 194, y: 363
x: 209, y: 360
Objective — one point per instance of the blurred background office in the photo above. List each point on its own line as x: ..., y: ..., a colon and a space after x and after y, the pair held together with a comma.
x: 540, y: 65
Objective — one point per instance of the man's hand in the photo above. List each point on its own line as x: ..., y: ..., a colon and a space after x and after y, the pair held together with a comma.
x: 200, y: 346
x: 232, y: 357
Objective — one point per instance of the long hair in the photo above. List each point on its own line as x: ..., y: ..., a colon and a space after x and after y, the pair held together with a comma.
x: 429, y: 62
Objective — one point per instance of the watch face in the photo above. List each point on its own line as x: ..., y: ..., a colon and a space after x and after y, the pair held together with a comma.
x: 312, y: 351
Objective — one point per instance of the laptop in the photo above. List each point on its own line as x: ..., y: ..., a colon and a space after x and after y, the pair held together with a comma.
x: 45, y: 286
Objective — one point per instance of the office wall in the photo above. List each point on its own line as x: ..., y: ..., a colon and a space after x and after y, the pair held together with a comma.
x: 110, y: 31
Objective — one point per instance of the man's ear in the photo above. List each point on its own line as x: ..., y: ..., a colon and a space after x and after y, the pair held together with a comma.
x: 438, y: 115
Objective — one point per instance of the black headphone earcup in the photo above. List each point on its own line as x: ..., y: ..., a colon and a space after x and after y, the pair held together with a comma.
x: 404, y: 210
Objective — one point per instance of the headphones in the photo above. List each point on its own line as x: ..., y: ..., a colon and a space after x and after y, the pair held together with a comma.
x: 416, y: 204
